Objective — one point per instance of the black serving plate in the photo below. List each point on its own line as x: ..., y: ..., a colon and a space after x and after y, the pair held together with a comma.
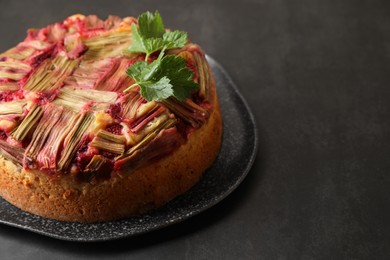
x: 232, y: 165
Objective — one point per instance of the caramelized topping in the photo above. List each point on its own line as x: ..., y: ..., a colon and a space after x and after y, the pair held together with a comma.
x: 62, y: 104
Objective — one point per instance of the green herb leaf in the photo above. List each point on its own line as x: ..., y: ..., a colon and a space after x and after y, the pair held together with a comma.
x: 164, y: 77
x: 137, y: 70
x: 151, y: 25
x: 137, y: 44
x: 158, y: 90
x: 180, y: 76
x: 154, y: 44
x: 175, y: 39
x: 152, y: 87
x: 150, y: 36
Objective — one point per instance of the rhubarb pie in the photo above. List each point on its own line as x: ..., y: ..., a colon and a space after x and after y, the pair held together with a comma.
x: 76, y: 146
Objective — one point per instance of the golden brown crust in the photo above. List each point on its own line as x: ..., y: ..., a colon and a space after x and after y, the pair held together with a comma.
x: 123, y: 195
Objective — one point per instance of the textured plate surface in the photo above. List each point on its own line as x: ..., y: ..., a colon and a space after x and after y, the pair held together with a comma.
x: 232, y: 165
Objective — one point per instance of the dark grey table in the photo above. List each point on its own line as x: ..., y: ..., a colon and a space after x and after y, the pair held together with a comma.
x: 317, y: 77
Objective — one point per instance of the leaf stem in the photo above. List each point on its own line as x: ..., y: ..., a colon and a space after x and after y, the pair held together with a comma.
x: 130, y: 87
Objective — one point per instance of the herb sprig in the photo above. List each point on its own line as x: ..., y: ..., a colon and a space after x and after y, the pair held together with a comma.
x: 167, y: 75
x: 151, y: 35
x: 164, y: 77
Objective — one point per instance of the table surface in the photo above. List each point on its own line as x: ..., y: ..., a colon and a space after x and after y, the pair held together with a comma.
x: 316, y: 75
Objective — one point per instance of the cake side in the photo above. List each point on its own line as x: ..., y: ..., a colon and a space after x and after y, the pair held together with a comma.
x: 130, y: 193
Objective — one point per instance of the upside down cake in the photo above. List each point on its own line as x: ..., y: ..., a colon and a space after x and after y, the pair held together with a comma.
x: 77, y: 144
